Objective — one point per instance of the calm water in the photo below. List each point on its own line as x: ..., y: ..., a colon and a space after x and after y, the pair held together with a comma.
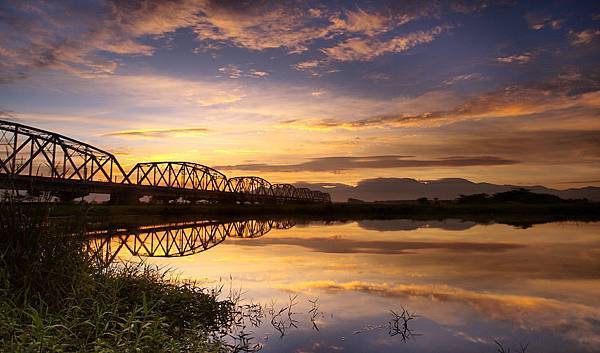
x: 467, y: 284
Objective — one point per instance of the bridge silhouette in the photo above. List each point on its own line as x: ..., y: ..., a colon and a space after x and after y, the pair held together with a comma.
x: 38, y: 161
x: 173, y: 239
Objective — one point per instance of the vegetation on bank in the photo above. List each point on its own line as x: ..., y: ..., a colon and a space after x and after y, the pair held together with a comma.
x: 517, y: 207
x: 53, y: 298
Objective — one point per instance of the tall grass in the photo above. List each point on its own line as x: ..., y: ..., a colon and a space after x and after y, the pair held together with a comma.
x: 53, y: 298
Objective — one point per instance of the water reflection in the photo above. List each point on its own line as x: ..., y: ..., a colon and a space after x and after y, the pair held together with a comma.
x: 175, y: 239
x: 411, y: 224
x: 469, y: 284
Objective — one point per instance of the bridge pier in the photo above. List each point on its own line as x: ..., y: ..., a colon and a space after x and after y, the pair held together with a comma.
x: 124, y: 198
x: 162, y: 199
x: 69, y: 196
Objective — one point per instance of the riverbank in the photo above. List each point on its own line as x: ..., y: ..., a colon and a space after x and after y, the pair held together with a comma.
x: 502, y: 212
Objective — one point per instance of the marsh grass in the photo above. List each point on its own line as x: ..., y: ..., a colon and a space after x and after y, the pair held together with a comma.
x: 53, y: 298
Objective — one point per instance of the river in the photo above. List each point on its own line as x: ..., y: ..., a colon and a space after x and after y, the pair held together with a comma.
x: 389, y: 285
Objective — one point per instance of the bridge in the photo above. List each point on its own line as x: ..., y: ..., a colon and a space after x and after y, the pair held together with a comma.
x: 174, y: 239
x: 37, y: 161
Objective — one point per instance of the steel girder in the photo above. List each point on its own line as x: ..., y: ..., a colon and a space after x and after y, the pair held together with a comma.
x: 32, y: 152
x: 182, y: 175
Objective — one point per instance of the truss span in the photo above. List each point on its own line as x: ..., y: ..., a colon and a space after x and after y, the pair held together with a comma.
x: 285, y: 191
x: 32, y: 152
x: 38, y: 160
x: 250, y: 185
x: 181, y: 175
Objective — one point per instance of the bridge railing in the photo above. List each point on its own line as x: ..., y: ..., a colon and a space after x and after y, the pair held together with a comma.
x: 32, y: 152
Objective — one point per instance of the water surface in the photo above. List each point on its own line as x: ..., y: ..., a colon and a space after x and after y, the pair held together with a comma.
x: 332, y: 287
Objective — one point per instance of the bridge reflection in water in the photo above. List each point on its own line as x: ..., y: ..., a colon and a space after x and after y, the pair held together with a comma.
x: 174, y: 239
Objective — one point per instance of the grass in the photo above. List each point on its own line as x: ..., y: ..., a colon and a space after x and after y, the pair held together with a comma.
x: 513, y: 213
x: 53, y: 298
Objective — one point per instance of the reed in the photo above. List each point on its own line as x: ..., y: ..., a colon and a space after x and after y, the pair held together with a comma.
x: 54, y: 298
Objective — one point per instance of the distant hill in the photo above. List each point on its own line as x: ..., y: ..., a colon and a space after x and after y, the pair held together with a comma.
x: 382, y: 189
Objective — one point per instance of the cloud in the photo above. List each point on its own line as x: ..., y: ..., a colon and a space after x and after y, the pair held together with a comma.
x: 4, y: 113
x: 259, y: 26
x: 332, y: 164
x: 231, y: 71
x: 563, y: 92
x: 572, y: 143
x: 516, y: 59
x: 77, y: 39
x: 270, y: 25
x: 584, y: 37
x: 234, y: 72
x: 362, y: 49
x: 571, y: 320
x: 150, y: 90
x: 316, y: 67
x: 309, y: 66
x: 539, y: 21
x: 465, y: 77
x: 56, y: 35
x: 256, y: 73
x: 339, y: 245
x: 370, y: 24
x: 377, y: 76
x: 160, y: 133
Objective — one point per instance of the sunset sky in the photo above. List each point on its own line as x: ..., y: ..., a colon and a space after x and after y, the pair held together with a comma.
x: 339, y: 91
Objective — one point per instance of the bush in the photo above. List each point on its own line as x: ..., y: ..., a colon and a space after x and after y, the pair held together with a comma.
x: 54, y: 298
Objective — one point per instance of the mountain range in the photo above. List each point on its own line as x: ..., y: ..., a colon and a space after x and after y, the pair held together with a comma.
x: 384, y: 189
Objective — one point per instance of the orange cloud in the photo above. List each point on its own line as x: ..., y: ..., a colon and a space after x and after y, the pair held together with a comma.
x: 57, y: 36
x: 512, y: 101
x: 335, y: 164
x: 584, y: 37
x: 358, y: 49
x: 361, y: 21
x: 259, y: 27
x: 160, y: 133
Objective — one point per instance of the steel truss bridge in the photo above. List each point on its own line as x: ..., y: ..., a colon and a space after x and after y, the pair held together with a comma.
x: 42, y: 161
x: 173, y: 240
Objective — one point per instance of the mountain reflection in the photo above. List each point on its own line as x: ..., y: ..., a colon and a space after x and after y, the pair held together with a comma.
x: 411, y: 224
x: 175, y: 239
